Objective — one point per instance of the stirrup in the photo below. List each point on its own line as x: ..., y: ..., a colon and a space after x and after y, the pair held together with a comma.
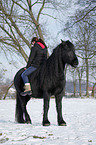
x: 29, y: 93
x: 26, y: 93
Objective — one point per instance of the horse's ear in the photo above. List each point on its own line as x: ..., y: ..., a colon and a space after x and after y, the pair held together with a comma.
x: 62, y: 41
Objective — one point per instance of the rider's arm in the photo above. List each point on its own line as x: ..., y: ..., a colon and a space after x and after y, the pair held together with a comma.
x: 31, y: 57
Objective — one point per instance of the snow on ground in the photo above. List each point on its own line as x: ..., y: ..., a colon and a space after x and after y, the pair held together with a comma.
x: 80, y: 115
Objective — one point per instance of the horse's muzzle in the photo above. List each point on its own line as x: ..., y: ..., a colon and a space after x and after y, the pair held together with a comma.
x: 74, y: 62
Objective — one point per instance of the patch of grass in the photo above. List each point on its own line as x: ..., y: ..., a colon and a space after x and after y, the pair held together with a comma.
x: 0, y: 134
x: 89, y: 140
x: 3, y: 140
x: 50, y: 134
x: 39, y: 137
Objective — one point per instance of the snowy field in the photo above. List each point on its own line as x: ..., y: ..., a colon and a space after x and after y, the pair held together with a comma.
x: 80, y: 115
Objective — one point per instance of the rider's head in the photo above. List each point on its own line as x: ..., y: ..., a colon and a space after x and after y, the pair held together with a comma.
x: 34, y: 39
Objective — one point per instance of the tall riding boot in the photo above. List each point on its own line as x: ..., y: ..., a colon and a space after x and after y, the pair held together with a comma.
x: 27, y: 90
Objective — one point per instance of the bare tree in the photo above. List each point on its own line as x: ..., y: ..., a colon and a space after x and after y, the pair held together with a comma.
x: 22, y: 19
x: 80, y: 71
x: 74, y: 79
x: 15, y: 15
x: 81, y: 15
x: 83, y: 33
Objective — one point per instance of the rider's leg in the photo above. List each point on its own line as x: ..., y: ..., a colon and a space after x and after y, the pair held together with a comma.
x: 24, y: 76
x: 26, y: 73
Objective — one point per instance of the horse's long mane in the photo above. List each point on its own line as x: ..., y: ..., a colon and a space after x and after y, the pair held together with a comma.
x: 54, y: 62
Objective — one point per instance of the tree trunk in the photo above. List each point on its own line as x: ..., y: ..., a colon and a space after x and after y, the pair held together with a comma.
x: 93, y: 89
x: 80, y: 87
x: 74, y: 84
x: 87, y: 78
x: 87, y: 69
x: 8, y: 90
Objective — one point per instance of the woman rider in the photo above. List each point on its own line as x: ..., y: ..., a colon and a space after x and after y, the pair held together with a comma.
x: 38, y: 55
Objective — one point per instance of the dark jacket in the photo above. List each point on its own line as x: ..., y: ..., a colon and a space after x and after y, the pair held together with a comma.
x: 38, y: 55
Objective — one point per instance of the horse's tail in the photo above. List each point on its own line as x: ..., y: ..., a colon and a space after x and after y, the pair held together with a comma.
x: 18, y: 82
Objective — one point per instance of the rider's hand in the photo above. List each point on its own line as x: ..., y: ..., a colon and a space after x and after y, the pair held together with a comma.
x: 25, y: 68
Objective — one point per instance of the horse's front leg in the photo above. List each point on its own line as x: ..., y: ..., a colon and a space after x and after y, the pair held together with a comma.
x: 58, y: 100
x: 46, y: 99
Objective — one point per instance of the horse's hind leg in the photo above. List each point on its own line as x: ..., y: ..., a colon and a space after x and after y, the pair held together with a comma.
x: 46, y: 99
x: 61, y: 122
x: 21, y: 114
x: 25, y: 113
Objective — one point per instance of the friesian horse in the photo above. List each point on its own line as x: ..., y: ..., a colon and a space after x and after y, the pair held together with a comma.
x: 47, y: 80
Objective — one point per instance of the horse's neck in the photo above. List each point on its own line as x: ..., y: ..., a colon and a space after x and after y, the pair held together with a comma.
x: 59, y: 66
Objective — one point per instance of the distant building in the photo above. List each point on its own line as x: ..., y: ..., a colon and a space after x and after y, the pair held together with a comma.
x: 90, y: 89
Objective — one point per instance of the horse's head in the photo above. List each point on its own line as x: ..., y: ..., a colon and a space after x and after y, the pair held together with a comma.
x: 68, y: 53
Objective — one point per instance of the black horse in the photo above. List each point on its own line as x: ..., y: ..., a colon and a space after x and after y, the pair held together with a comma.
x: 47, y: 80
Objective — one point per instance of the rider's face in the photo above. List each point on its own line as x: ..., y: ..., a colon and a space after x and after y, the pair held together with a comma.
x: 33, y: 43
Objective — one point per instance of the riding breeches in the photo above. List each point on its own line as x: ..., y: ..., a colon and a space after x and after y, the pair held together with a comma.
x: 26, y: 73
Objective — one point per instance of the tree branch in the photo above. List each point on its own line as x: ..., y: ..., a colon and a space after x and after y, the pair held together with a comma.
x: 34, y: 21
x: 8, y: 90
x: 80, y: 18
x: 16, y: 43
x: 15, y: 26
x: 20, y: 6
x: 40, y: 11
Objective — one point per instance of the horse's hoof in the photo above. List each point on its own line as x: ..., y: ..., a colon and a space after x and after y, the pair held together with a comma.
x: 46, y: 123
x: 62, y: 123
x: 30, y: 93
x: 28, y: 122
